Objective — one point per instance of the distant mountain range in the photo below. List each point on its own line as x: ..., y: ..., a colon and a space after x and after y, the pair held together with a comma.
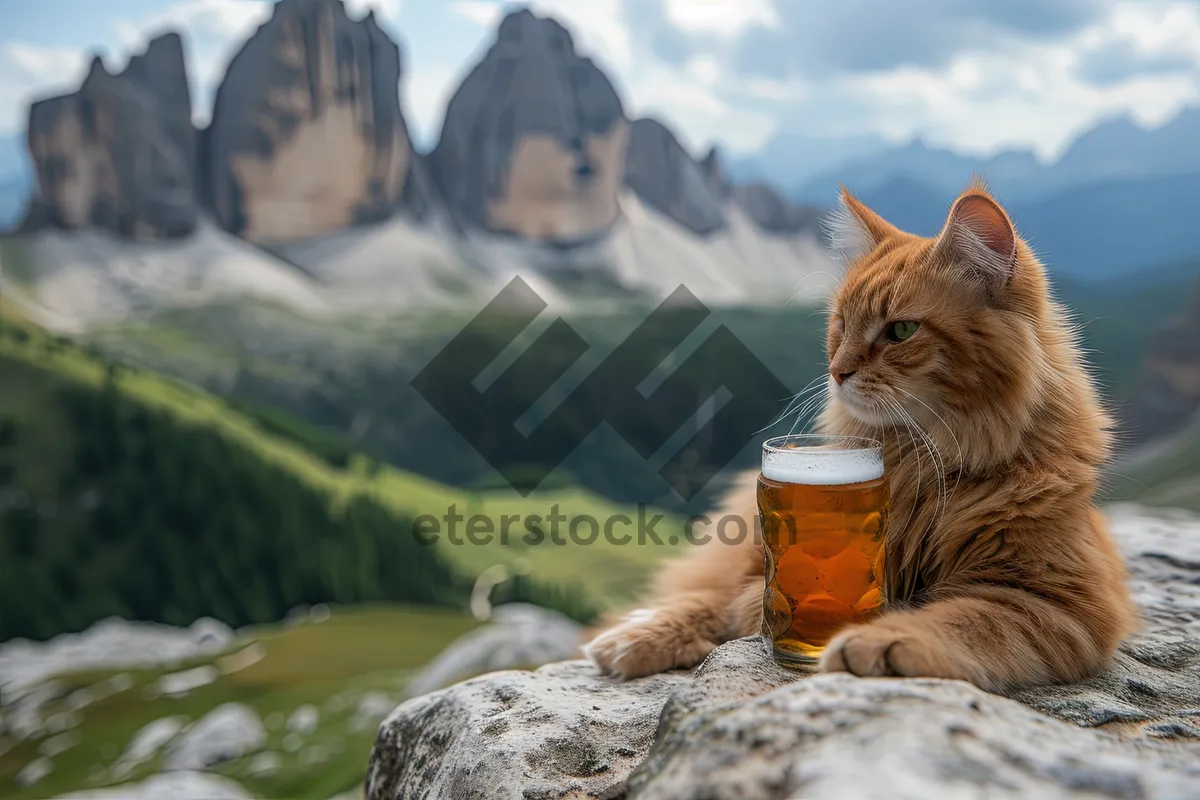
x: 1120, y: 199
x: 1117, y: 148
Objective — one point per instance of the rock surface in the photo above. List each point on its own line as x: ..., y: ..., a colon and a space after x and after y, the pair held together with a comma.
x: 307, y: 136
x: 227, y: 732
x: 178, y: 684
x: 520, y: 635
x: 33, y: 772
x: 169, y: 786
x: 304, y: 720
x: 667, y: 179
x: 556, y: 732
x: 714, y: 172
x: 119, y: 153
x: 147, y: 742
x: 109, y: 644
x: 533, y: 142
x: 742, y: 727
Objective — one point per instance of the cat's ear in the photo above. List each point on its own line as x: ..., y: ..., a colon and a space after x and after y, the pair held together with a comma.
x: 979, y: 237
x: 855, y: 230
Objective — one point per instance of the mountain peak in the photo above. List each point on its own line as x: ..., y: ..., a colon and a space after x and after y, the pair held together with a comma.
x: 523, y: 27
x: 119, y: 153
x: 664, y: 175
x: 96, y: 69
x: 533, y: 138
x: 300, y: 151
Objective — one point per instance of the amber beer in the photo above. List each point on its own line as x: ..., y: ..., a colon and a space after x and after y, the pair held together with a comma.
x: 823, y: 504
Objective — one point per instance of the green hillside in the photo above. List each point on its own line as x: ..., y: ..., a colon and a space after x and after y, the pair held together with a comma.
x: 125, y: 492
x: 130, y: 494
x: 350, y: 378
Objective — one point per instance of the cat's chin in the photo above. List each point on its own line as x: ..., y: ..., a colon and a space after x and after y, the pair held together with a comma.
x: 857, y: 408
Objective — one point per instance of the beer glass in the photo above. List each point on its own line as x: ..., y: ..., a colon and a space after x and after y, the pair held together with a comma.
x: 823, y: 505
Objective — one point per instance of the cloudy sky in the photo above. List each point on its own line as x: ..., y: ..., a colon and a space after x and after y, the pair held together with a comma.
x: 976, y: 75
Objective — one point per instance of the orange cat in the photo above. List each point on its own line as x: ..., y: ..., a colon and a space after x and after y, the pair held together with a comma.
x: 1003, y: 572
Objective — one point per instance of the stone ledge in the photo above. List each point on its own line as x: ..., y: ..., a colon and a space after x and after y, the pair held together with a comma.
x: 742, y: 727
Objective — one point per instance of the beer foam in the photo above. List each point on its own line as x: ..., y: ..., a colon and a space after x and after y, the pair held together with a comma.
x: 817, y: 466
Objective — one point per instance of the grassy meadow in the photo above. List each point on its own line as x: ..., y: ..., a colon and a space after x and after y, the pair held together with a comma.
x: 357, y: 653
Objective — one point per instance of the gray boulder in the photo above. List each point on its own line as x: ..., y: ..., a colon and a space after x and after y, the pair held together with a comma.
x: 533, y: 142
x: 307, y: 136
x: 556, y: 732
x: 33, y: 772
x: 112, y: 643
x: 147, y: 742
x: 304, y: 720
x: 519, y: 636
x: 169, y: 786
x: 742, y: 727
x: 229, y: 731
x: 666, y: 177
x: 119, y: 153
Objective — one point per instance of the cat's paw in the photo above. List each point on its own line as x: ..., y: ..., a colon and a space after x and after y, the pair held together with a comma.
x: 879, y: 651
x: 646, y: 643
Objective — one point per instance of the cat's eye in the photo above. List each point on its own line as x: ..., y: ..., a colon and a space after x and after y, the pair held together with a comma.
x: 902, y: 330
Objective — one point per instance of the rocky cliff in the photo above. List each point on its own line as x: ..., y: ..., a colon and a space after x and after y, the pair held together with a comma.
x: 1169, y: 393
x: 308, y: 156
x: 120, y: 152
x: 774, y: 213
x: 533, y: 142
x: 307, y: 136
x: 668, y: 179
x: 742, y: 727
x: 714, y: 172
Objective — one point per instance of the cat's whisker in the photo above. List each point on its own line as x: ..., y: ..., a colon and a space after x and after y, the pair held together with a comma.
x: 939, y: 468
x: 916, y: 453
x: 800, y: 286
x: 794, y: 401
x: 961, y: 457
x: 811, y: 386
x: 817, y: 401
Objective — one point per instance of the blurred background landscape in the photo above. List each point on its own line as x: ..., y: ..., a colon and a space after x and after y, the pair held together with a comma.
x: 235, y: 230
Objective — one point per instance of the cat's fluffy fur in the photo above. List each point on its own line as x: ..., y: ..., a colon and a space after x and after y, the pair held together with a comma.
x: 1001, y: 568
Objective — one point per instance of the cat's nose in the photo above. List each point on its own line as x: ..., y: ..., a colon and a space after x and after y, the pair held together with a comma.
x: 841, y: 377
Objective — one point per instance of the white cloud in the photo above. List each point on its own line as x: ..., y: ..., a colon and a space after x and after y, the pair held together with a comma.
x: 423, y: 99
x: 705, y: 69
x: 1032, y: 94
x: 43, y: 63
x: 598, y: 27
x: 221, y: 19
x: 389, y: 9
x: 723, y: 18
x: 30, y: 72
x: 767, y: 89
x: 480, y: 12
x: 696, y: 112
x: 1029, y: 93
